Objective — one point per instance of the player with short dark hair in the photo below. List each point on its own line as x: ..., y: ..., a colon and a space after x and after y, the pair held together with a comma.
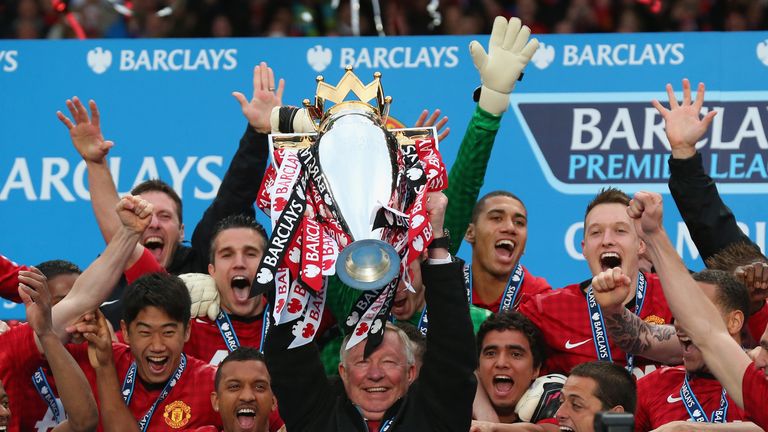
x: 498, y: 234
x: 593, y: 387
x: 243, y: 392
x: 237, y: 245
x: 161, y: 386
x: 511, y: 352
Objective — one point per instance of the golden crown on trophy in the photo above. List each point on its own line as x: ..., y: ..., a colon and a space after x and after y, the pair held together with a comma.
x: 349, y: 83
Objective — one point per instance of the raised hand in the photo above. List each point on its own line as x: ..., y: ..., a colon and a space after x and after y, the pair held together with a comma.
x: 259, y: 108
x: 427, y: 120
x: 683, y: 122
x: 86, y: 132
x: 611, y: 288
x: 99, y: 342
x: 646, y: 208
x: 34, y: 292
x: 509, y: 51
x: 135, y: 213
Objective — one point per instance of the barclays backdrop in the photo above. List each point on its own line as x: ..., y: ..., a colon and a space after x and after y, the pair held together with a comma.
x: 579, y: 120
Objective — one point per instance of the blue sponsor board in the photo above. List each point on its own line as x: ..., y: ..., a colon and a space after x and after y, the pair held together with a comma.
x: 580, y: 119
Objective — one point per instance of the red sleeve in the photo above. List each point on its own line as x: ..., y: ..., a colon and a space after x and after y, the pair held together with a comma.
x: 754, y: 390
x: 9, y: 279
x: 642, y: 416
x: 144, y: 265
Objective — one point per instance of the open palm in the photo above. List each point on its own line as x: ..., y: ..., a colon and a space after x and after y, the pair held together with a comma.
x: 86, y: 132
x: 683, y: 123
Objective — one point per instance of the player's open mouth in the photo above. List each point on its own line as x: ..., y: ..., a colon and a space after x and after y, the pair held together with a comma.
x: 505, y: 248
x: 609, y: 260
x: 155, y: 245
x: 3, y: 428
x: 246, y: 418
x: 503, y: 383
x: 241, y: 286
x: 566, y: 429
x: 157, y: 364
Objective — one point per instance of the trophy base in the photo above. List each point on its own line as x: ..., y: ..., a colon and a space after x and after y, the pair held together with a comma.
x: 368, y: 265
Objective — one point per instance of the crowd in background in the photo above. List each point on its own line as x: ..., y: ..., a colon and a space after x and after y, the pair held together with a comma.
x: 37, y: 19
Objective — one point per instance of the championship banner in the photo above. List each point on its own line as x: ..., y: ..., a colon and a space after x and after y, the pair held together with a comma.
x: 581, y: 119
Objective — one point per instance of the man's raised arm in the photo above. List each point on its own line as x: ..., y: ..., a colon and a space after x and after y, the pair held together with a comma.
x: 509, y: 51
x: 242, y: 180
x: 694, y: 312
x: 711, y: 223
x: 89, y: 142
x: 94, y: 285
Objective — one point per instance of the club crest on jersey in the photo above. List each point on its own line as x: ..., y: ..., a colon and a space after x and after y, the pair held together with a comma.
x: 654, y: 319
x: 177, y: 414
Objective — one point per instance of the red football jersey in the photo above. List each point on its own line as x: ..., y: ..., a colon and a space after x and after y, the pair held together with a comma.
x: 754, y: 390
x: 9, y: 279
x: 206, y: 343
x: 17, y: 365
x: 564, y: 319
x: 659, y: 401
x: 188, y: 404
x: 144, y: 265
x: 532, y: 285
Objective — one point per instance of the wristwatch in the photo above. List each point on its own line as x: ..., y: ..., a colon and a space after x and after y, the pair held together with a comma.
x: 443, y: 242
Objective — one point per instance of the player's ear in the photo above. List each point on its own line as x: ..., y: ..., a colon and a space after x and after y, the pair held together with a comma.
x: 124, y: 329
x: 187, y: 331
x: 469, y: 236
x: 215, y: 401
x: 734, y: 321
x: 617, y: 409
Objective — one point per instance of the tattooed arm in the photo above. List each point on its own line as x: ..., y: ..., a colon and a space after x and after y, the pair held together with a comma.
x: 635, y: 336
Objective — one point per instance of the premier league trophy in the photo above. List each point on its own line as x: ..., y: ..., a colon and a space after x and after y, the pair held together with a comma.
x: 346, y: 197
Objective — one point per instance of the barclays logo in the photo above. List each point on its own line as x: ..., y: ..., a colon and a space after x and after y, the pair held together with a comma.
x: 623, y: 54
x: 762, y: 52
x: 99, y: 60
x: 319, y: 58
x: 397, y: 57
x: 175, y: 60
x: 544, y: 56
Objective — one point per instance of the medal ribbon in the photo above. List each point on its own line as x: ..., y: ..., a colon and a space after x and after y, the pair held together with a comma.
x: 130, y: 381
x: 227, y: 331
x: 423, y: 322
x: 696, y: 411
x: 509, y: 297
x: 46, y: 393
